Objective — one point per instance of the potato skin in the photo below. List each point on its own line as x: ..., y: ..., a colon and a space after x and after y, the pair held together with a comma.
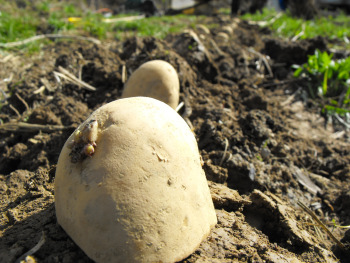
x: 143, y: 195
x: 156, y: 79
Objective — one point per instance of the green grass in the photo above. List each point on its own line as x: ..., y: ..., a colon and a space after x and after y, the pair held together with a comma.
x: 336, y: 27
x: 158, y: 27
x: 14, y: 27
x: 55, y: 17
x: 17, y: 24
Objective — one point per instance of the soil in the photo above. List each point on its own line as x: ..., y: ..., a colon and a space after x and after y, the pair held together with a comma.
x: 266, y: 147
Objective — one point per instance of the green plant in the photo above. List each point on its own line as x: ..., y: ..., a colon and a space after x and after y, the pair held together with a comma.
x: 158, y: 27
x: 14, y: 27
x: 23, y: 24
x: 334, y: 224
x: 45, y: 17
x: 58, y: 19
x: 283, y: 24
x: 93, y: 24
x: 327, y: 79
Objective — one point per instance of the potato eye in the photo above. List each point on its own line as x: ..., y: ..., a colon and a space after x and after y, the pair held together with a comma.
x: 89, y: 149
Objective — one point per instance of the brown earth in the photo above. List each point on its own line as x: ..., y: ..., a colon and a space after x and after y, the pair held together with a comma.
x: 265, y: 146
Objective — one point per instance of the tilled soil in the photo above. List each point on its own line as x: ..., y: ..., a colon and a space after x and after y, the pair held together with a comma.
x: 265, y: 147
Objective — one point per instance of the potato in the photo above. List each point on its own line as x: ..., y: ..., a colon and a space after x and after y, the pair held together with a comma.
x: 156, y: 79
x: 139, y: 194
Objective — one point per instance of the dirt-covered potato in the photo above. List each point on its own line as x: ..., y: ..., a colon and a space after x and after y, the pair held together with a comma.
x: 156, y: 79
x: 129, y: 185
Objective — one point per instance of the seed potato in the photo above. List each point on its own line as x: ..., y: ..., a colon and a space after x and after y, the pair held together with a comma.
x: 156, y: 79
x: 142, y: 196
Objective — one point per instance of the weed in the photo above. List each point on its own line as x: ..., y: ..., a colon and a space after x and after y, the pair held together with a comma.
x: 328, y: 79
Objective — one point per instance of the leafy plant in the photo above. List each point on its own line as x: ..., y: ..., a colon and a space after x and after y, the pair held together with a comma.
x: 328, y: 79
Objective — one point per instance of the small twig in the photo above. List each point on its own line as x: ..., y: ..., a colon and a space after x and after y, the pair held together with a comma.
x: 316, y: 228
x: 266, y: 23
x: 314, y: 217
x: 179, y: 107
x: 38, y: 37
x: 47, y: 85
x: 229, y: 157
x: 15, y: 110
x: 123, y: 19
x: 279, y: 83
x: 28, y: 127
x: 81, y: 64
x: 58, y: 79
x: 34, y: 249
x: 70, y: 77
x: 337, y: 135
x: 75, y: 79
x: 80, y: 74
x: 216, y: 47
x: 263, y: 58
x: 341, y: 226
x: 347, y: 125
x: 290, y: 98
x: 297, y: 36
x: 188, y: 109
x: 23, y: 101
x: 245, y: 60
x: 225, y: 151
x: 124, y: 74
x: 318, y: 231
x: 6, y: 80
x: 39, y: 90
x: 7, y: 58
x: 4, y: 95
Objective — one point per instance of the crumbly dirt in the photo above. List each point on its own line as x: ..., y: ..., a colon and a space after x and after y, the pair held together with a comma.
x: 265, y: 146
